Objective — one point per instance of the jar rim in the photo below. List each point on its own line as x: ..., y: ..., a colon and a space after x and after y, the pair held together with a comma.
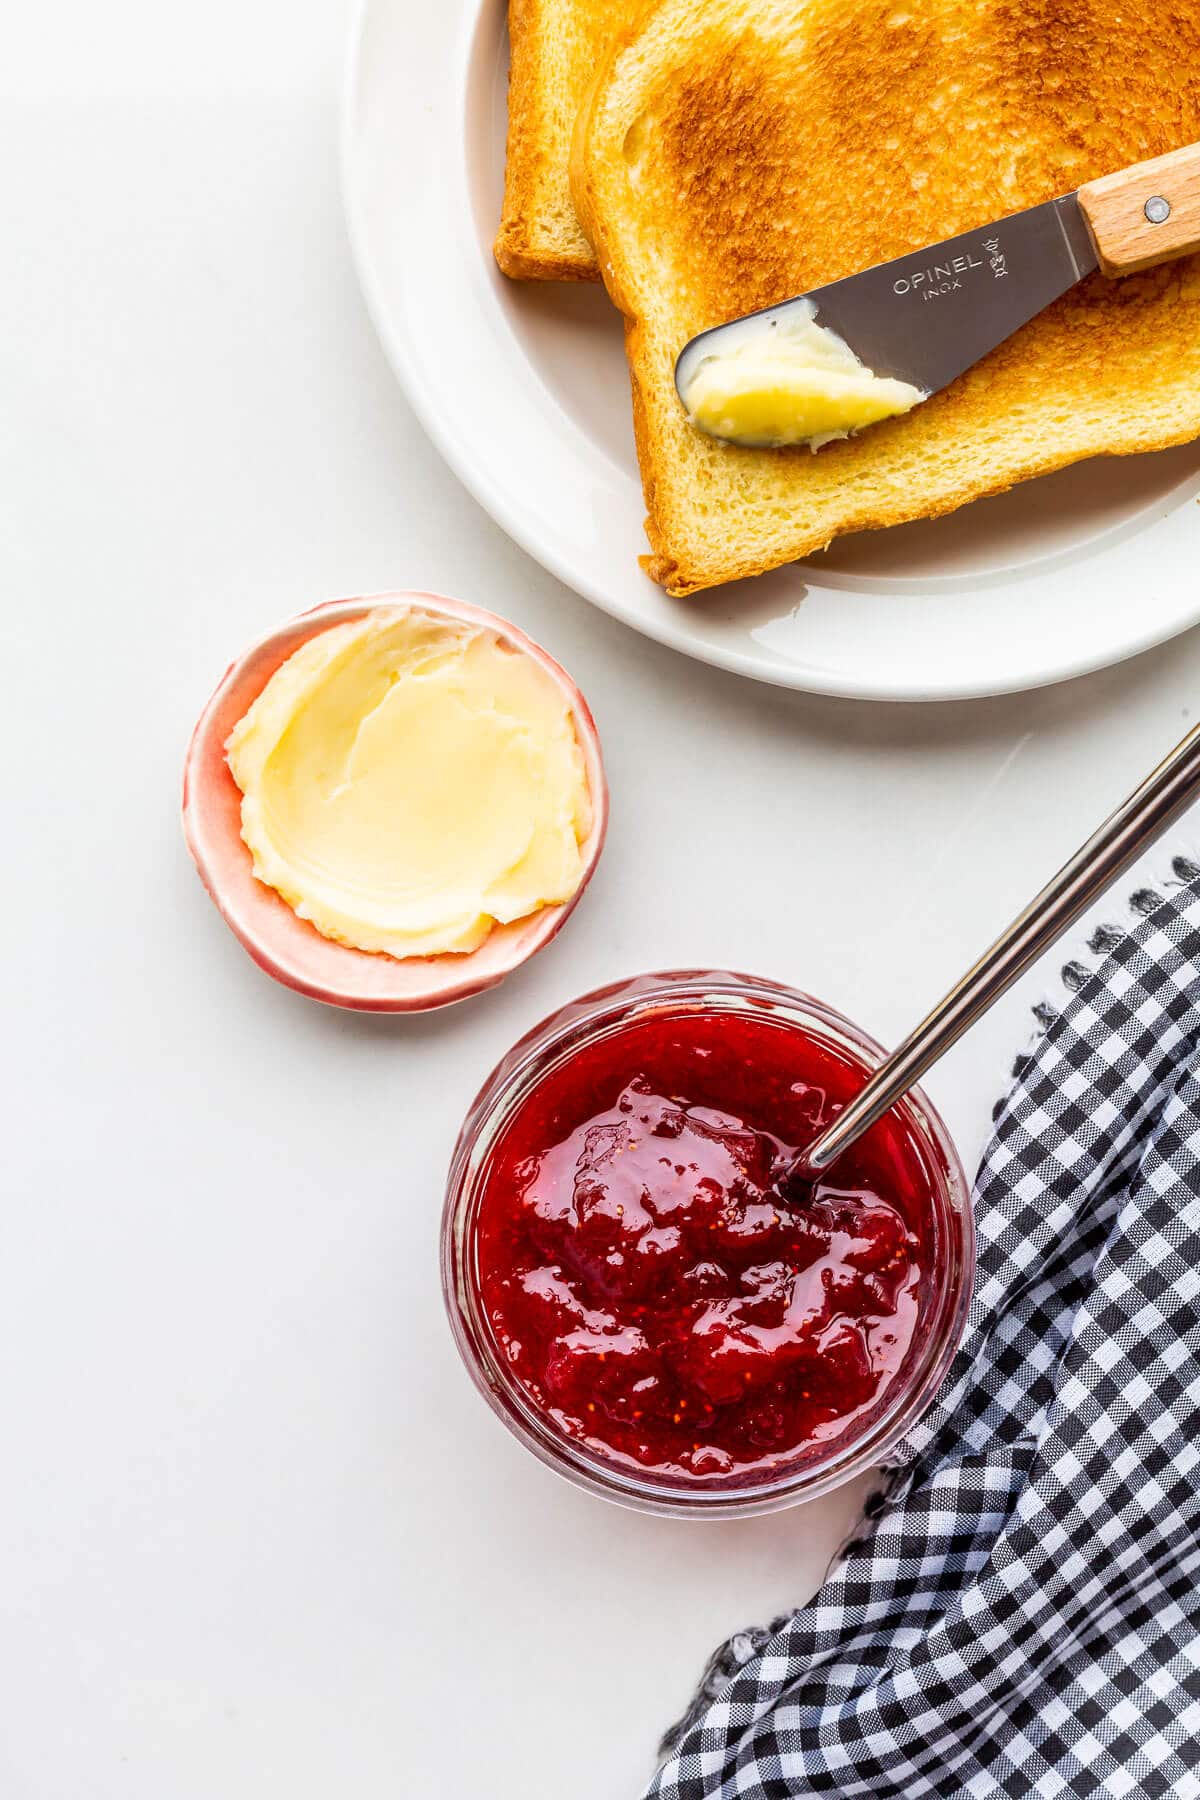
x: 605, y: 1011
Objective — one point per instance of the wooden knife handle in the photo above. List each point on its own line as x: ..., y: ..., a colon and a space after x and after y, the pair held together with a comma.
x: 1147, y: 214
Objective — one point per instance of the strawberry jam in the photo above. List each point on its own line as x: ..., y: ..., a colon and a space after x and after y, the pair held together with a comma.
x: 657, y: 1282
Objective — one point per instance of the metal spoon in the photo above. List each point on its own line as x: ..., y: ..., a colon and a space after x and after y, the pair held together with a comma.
x: 1135, y: 824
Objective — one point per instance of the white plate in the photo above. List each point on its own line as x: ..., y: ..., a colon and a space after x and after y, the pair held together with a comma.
x: 523, y: 388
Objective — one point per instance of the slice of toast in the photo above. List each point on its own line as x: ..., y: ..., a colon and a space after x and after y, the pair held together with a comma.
x: 555, y: 48
x: 731, y: 155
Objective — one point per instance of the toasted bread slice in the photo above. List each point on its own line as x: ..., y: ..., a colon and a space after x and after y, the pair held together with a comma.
x: 555, y: 47
x: 733, y: 154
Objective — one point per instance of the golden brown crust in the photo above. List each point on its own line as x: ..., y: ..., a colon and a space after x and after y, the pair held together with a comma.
x: 524, y: 155
x: 732, y: 155
x: 522, y: 262
x: 664, y: 570
x: 554, y: 46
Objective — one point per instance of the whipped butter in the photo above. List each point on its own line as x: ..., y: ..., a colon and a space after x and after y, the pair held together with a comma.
x: 409, y: 781
x: 778, y: 380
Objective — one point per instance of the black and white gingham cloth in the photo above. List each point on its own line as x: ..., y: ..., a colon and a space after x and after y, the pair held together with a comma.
x: 1022, y: 1621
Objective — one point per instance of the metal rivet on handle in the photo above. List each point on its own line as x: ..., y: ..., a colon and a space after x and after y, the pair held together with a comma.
x: 1157, y: 209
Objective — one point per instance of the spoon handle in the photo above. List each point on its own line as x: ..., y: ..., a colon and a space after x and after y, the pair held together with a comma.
x: 1135, y: 824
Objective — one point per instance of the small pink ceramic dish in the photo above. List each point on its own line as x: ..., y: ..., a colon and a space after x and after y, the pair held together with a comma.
x: 286, y: 946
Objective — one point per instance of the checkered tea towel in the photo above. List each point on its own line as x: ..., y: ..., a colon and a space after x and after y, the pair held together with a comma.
x: 1022, y: 1619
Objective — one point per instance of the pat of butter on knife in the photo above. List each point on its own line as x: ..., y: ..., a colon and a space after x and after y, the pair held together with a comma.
x: 773, y: 382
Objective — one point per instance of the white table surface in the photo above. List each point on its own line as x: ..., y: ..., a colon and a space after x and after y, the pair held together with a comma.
x: 257, y: 1533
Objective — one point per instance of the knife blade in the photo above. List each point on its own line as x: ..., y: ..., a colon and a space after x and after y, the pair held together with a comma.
x: 925, y: 317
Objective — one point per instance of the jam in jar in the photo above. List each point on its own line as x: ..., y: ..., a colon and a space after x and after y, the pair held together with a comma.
x: 657, y: 1286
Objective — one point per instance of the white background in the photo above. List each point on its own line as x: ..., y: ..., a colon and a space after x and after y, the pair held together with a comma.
x: 258, y: 1536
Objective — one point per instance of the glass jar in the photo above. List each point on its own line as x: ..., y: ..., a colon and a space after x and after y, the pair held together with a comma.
x: 813, y: 1468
